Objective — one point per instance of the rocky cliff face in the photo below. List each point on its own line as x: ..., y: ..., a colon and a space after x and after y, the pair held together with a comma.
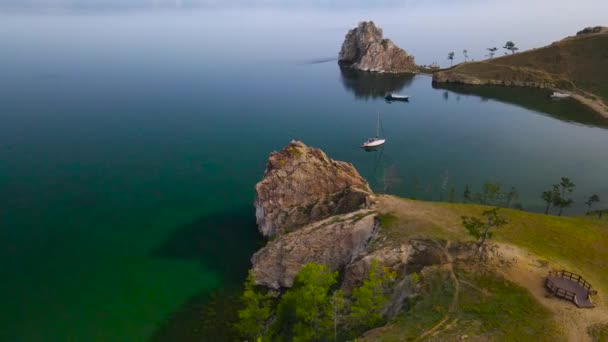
x: 322, y: 211
x: 335, y: 242
x: 364, y: 48
x: 317, y: 211
x: 302, y: 185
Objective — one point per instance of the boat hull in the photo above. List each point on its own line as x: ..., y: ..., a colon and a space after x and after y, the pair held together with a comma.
x: 557, y: 95
x: 390, y: 98
x: 374, y: 143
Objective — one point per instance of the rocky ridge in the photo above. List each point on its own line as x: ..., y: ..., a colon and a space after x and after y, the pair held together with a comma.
x: 365, y: 48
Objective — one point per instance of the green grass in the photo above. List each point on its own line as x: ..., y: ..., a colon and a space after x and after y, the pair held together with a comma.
x: 489, y: 307
x: 504, y: 311
x: 598, y: 332
x: 422, y: 312
x: 577, y: 243
x: 388, y: 220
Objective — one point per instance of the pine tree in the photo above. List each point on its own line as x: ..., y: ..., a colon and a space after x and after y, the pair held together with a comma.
x: 369, y: 299
x: 256, y: 312
x: 305, y: 312
x: 480, y: 228
x: 466, y: 195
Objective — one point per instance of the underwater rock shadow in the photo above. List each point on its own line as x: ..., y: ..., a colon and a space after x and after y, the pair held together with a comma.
x: 222, y: 242
x: 207, y: 316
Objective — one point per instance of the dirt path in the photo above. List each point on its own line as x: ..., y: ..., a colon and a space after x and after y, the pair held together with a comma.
x: 453, y: 306
x: 528, y: 270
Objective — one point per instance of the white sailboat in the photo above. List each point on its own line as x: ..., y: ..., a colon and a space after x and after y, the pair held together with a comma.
x: 377, y: 141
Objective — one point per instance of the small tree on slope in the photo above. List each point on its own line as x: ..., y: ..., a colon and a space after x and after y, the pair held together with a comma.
x: 592, y: 199
x: 480, y: 228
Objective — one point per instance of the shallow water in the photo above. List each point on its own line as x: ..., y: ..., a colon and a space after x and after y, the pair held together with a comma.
x: 131, y: 141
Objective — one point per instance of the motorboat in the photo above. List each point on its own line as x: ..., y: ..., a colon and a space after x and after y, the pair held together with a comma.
x: 395, y: 97
x: 558, y: 95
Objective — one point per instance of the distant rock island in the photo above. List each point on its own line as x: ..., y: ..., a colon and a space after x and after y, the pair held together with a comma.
x: 365, y: 48
x: 576, y: 65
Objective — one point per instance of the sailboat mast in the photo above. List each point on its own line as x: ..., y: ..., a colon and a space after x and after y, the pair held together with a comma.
x: 378, y: 126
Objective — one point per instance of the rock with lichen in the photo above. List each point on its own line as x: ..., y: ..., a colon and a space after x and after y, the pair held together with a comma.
x: 302, y: 185
x: 335, y: 242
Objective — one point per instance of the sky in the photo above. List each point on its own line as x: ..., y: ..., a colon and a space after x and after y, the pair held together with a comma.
x: 428, y: 29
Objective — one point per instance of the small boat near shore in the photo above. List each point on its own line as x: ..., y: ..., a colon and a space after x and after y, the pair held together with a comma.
x: 396, y: 97
x: 558, y: 95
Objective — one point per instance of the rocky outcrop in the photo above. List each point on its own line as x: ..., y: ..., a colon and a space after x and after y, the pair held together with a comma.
x: 364, y: 48
x: 302, y: 185
x: 404, y: 258
x: 590, y: 30
x: 334, y: 242
x: 319, y: 210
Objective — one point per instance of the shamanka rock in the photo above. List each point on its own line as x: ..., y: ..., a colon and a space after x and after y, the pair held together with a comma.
x: 302, y: 185
x: 364, y: 48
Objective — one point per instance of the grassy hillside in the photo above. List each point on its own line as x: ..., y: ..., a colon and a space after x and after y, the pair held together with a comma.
x: 578, y: 64
x: 579, y: 243
x: 488, y: 305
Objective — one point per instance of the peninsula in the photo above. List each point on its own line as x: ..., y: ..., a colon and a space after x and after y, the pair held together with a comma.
x: 576, y: 65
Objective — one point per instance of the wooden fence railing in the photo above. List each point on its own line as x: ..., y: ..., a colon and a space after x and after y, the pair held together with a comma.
x: 559, y: 292
x: 573, y: 276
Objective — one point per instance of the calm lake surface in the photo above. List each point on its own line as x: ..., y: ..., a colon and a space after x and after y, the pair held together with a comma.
x: 130, y: 142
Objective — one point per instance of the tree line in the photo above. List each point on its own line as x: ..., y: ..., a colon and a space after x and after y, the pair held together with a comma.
x: 314, y: 308
x: 558, y: 197
x: 509, y: 46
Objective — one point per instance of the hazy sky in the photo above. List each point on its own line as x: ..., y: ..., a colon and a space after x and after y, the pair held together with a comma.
x: 428, y: 29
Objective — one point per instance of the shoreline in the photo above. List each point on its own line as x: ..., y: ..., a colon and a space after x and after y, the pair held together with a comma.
x: 596, y: 106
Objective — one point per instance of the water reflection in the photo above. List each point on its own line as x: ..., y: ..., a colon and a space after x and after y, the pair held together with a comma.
x: 568, y: 110
x: 371, y: 85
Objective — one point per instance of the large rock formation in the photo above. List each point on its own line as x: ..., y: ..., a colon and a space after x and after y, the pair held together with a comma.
x: 364, y: 48
x: 335, y: 242
x: 322, y: 211
x: 302, y: 185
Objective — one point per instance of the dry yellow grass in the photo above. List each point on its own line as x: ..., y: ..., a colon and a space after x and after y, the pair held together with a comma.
x: 576, y: 64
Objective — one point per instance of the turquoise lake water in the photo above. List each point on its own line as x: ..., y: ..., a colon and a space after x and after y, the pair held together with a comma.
x: 130, y: 143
